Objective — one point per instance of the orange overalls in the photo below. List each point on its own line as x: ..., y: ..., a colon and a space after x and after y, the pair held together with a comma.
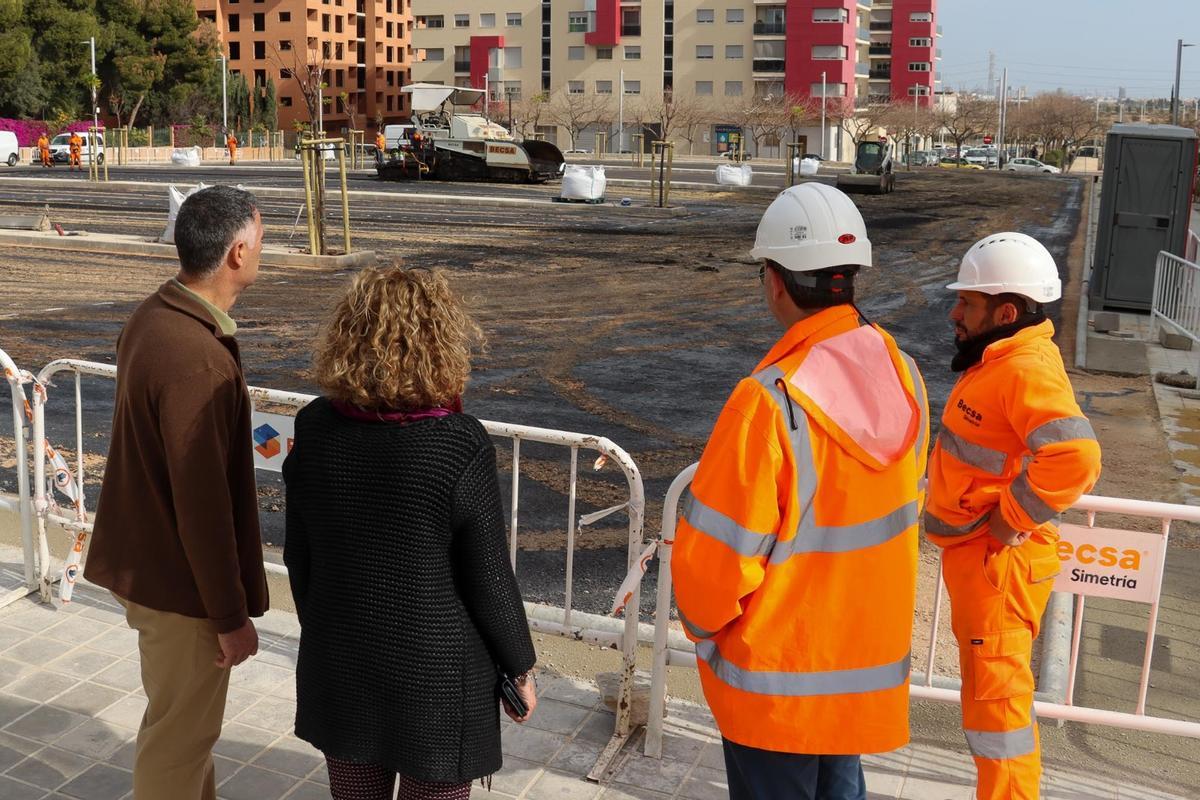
x: 1012, y: 437
x: 76, y: 145
x: 795, y: 563
x: 232, y: 144
x: 381, y: 143
x: 44, y: 150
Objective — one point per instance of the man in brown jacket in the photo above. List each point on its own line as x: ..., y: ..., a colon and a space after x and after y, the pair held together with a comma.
x: 176, y: 535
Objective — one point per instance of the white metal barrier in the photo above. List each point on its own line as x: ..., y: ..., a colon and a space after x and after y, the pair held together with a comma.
x: 667, y: 653
x: 16, y: 383
x: 562, y: 624
x: 1193, y: 245
x: 1176, y: 299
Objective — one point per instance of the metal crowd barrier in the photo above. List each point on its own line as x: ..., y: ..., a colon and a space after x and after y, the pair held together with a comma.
x: 16, y: 384
x: 561, y: 622
x: 671, y: 648
x: 1176, y: 299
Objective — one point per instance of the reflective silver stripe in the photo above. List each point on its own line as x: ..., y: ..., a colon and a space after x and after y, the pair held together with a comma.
x: 695, y: 630
x: 805, y: 684
x: 939, y: 527
x: 1060, y: 430
x: 738, y: 538
x: 1029, y: 501
x: 919, y: 386
x: 1002, y: 744
x: 974, y: 455
x: 844, y: 538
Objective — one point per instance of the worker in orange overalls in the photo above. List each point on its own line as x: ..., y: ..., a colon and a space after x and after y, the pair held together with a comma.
x: 43, y: 144
x: 1014, y: 452
x: 76, y: 146
x: 232, y: 143
x: 381, y: 144
x: 795, y: 564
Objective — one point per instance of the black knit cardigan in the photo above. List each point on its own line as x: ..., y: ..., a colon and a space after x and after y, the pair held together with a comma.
x: 407, y: 603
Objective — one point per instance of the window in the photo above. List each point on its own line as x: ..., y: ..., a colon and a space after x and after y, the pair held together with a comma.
x: 704, y: 88
x: 462, y: 20
x: 487, y: 20
x: 838, y: 15
x: 705, y: 16
x: 631, y: 22
x: 828, y: 52
x: 390, y: 53
x: 340, y: 78
x: 235, y: 51
x: 326, y: 51
x: 575, y: 87
x: 285, y: 16
x: 435, y: 54
x: 513, y: 19
x: 337, y: 23
x: 920, y: 16
x: 735, y: 16
x: 575, y: 53
x: 920, y: 41
x: 633, y: 53
x: 734, y: 51
x: 577, y: 23
x: 918, y: 66
x: 603, y: 87
x: 633, y: 87
x: 285, y: 46
x: 235, y: 23
x: 325, y: 22
x: 831, y: 89
x: 390, y: 30
x: 435, y: 21
x: 704, y: 52
x: 285, y: 74
x: 260, y: 50
x: 733, y: 88
x: 338, y: 53
x: 260, y: 22
x: 918, y: 91
x: 604, y: 53
x: 285, y: 101
x: 512, y: 58
x: 512, y: 90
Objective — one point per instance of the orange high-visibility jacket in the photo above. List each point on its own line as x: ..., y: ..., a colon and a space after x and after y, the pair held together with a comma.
x: 795, y: 564
x: 75, y: 143
x: 1012, y: 435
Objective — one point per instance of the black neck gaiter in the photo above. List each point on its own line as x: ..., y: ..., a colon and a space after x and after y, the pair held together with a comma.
x: 970, y: 351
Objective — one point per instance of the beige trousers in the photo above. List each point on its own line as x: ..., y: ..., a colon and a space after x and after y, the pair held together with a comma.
x: 185, y: 693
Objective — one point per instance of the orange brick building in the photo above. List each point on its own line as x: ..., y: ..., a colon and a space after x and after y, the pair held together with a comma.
x: 362, y: 45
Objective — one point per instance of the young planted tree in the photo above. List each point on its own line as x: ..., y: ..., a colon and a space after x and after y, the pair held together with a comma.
x: 577, y: 112
x: 528, y: 113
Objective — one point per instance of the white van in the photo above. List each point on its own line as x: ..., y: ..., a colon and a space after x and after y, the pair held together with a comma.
x: 9, y: 154
x: 60, y: 148
x: 397, y: 136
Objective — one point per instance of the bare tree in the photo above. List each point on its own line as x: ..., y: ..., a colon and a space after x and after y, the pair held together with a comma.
x: 868, y: 122
x: 968, y: 118
x: 800, y: 112
x: 577, y: 112
x: 528, y: 113
x: 693, y: 115
x: 763, y: 118
x: 666, y: 114
x: 308, y: 71
x: 1061, y: 122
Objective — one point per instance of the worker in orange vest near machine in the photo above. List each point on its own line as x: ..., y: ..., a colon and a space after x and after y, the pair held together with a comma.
x: 43, y: 144
x: 232, y: 143
x: 76, y: 147
x: 381, y: 144
x: 795, y: 563
x: 1013, y: 453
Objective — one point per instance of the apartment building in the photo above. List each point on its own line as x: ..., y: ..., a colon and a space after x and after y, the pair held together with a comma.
x: 362, y: 46
x: 723, y: 49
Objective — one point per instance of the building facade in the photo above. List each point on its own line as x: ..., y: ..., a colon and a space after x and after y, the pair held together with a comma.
x: 360, y: 46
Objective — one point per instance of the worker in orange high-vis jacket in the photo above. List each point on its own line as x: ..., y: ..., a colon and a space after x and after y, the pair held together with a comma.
x: 43, y: 145
x: 381, y: 145
x: 795, y: 564
x: 232, y: 143
x: 75, y: 145
x: 1013, y: 453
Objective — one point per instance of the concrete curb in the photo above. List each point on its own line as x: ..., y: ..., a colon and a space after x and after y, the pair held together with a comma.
x: 335, y: 194
x: 133, y: 246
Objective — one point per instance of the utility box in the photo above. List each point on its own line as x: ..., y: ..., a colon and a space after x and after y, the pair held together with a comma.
x: 1145, y: 207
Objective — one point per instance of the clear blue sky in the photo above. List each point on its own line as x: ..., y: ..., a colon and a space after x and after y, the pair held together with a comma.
x: 1082, y: 46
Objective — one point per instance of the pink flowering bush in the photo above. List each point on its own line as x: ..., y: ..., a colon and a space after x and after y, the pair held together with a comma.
x: 28, y: 130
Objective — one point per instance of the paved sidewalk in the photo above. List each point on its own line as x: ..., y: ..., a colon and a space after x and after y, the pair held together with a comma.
x: 70, y: 704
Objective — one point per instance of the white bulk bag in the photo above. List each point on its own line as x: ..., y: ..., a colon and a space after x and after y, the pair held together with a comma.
x: 734, y: 175
x: 186, y: 156
x: 809, y: 167
x: 583, y: 183
x: 176, y: 199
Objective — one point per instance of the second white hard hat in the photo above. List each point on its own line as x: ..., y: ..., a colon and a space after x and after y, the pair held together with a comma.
x: 810, y: 227
x: 1010, y: 263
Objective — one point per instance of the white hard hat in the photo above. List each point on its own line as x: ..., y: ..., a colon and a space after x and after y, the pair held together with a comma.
x: 1010, y: 263
x: 810, y: 227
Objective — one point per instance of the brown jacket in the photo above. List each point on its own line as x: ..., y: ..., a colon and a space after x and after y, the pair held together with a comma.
x: 177, y: 521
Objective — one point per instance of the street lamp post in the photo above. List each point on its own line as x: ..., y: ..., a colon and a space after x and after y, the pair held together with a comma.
x: 822, y: 115
x: 224, y: 100
x: 95, y: 81
x: 1175, y: 102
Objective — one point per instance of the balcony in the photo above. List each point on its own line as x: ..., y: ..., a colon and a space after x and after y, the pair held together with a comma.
x: 862, y: 70
x: 879, y: 50
x: 939, y: 30
x: 771, y: 65
x: 880, y: 74
x: 881, y: 26
x: 463, y: 67
x: 770, y: 28
x: 863, y: 34
x: 631, y: 30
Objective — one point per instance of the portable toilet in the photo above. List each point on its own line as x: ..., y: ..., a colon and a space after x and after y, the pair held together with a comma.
x: 1145, y: 207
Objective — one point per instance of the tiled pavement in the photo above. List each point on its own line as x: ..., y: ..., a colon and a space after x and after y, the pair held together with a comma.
x: 70, y: 703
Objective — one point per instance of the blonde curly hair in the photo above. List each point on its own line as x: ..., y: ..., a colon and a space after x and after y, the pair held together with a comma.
x: 399, y: 339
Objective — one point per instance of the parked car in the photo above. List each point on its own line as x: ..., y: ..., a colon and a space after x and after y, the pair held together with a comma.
x: 60, y: 148
x: 577, y: 152
x: 9, y: 152
x: 1030, y: 165
x: 732, y: 154
x: 958, y: 163
x: 982, y: 157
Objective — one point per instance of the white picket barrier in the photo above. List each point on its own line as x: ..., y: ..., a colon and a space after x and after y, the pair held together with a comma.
x: 923, y: 686
x: 560, y: 622
x: 17, y: 379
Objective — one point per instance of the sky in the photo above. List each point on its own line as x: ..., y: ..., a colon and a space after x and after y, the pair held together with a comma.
x: 1087, y: 47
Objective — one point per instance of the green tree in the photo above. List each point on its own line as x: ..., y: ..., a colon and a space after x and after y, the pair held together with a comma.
x: 267, y: 107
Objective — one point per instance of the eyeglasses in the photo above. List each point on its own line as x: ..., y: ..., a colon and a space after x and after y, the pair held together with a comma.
x: 762, y: 273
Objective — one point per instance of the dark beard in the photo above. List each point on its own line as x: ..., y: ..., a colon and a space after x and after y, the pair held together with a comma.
x: 970, y: 351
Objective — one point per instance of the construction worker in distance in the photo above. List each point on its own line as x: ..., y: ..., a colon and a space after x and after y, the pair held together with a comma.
x: 232, y: 143
x: 43, y: 144
x: 795, y: 564
x: 1013, y: 453
x: 381, y: 145
x: 76, y: 147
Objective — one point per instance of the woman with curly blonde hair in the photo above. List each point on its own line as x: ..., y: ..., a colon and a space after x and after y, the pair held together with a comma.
x: 409, y: 610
